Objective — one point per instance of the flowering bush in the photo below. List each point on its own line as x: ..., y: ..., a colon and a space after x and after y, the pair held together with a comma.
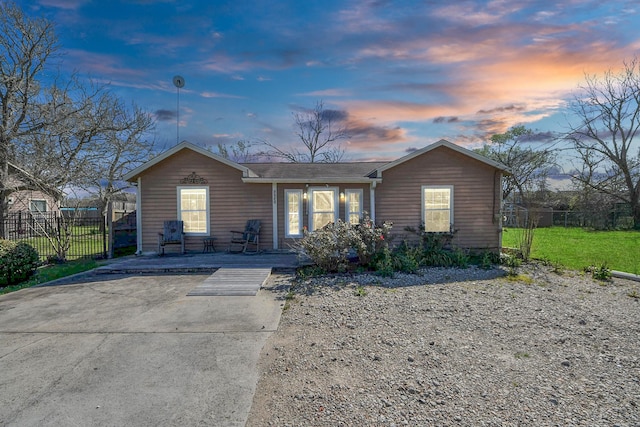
x: 368, y: 239
x: 333, y: 246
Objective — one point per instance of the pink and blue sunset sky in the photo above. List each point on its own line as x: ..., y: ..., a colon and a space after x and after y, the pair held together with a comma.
x: 401, y: 74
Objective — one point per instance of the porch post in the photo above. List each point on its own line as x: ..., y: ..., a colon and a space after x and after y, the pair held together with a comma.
x: 372, y: 201
x: 139, y: 216
x: 274, y: 190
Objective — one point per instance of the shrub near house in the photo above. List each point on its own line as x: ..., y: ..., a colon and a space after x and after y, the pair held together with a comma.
x: 339, y: 246
x: 18, y: 262
x: 332, y: 247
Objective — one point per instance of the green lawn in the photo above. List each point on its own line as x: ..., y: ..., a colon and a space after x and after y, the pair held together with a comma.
x: 52, y: 272
x: 86, y: 242
x: 577, y: 248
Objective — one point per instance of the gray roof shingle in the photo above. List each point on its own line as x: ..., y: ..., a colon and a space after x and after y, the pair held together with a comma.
x: 302, y: 171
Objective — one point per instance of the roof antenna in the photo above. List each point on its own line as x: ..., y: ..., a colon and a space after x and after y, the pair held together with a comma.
x: 178, y: 82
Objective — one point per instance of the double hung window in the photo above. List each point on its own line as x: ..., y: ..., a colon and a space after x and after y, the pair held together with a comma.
x: 437, y: 208
x: 193, y: 210
x: 323, y: 207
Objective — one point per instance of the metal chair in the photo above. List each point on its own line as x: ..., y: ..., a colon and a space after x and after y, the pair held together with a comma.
x: 173, y: 234
x: 247, y: 238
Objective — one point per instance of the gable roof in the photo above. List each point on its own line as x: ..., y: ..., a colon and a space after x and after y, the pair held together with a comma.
x: 20, y: 179
x: 441, y: 143
x: 131, y: 176
x: 355, y: 172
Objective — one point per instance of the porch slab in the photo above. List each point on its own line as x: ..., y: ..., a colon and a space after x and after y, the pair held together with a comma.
x: 200, y: 263
x: 232, y: 282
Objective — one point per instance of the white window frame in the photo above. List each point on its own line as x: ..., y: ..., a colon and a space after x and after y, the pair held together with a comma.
x: 207, y: 203
x: 347, y: 207
x: 287, y: 230
x: 424, y: 210
x: 38, y: 211
x: 336, y: 203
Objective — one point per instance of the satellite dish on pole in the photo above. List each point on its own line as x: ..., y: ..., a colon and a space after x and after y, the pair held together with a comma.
x: 178, y: 82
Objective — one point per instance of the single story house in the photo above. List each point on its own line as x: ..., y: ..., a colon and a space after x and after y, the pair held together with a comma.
x: 443, y: 186
x: 29, y: 195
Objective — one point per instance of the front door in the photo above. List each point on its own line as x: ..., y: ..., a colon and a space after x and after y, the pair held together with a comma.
x: 323, y: 207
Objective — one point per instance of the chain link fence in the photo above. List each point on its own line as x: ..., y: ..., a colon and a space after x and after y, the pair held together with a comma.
x: 606, y: 219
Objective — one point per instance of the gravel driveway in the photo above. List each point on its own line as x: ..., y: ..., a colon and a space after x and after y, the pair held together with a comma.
x: 467, y: 349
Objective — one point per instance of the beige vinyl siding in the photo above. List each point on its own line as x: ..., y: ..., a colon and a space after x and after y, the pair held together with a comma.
x: 21, y: 201
x: 476, y: 187
x: 231, y: 202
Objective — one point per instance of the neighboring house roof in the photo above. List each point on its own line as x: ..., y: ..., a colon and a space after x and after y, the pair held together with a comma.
x: 353, y: 172
x: 20, y: 179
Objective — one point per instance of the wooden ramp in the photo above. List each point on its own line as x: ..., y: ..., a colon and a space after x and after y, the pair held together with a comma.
x: 232, y: 282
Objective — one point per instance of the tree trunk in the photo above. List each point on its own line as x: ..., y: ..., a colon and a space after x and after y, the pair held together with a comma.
x: 4, y: 191
x: 635, y: 210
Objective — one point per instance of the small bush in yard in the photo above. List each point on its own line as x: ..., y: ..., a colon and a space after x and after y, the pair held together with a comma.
x: 383, y: 263
x: 488, y: 259
x: 512, y: 262
x: 437, y: 250
x: 18, y: 262
x: 407, y: 258
x: 600, y: 272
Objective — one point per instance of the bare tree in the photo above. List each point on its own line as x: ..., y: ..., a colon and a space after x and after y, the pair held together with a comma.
x: 124, y: 145
x: 91, y: 141
x: 319, y: 131
x: 529, y: 167
x: 64, y: 133
x: 608, y: 111
x: 240, y: 152
x: 593, y: 205
x: 25, y: 46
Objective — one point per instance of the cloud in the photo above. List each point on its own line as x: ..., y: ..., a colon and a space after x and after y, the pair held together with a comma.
x: 507, y: 108
x: 165, y: 115
x: 489, y: 66
x: 367, y: 133
x: 393, y: 112
x: 104, y: 65
x: 476, y: 14
x: 396, y: 72
x: 219, y: 95
x: 63, y: 4
x: 452, y: 119
x: 545, y: 137
x: 334, y: 115
x: 328, y: 93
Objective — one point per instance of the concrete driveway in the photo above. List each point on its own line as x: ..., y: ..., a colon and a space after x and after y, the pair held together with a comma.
x: 135, y: 351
